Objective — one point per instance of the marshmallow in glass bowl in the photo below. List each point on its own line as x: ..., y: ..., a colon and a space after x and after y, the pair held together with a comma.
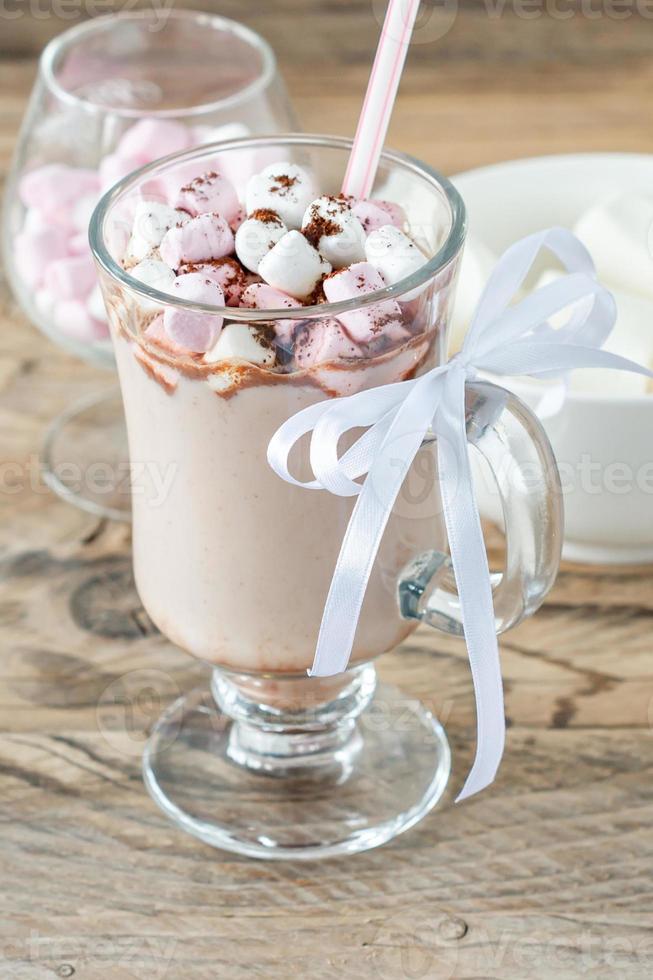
x: 601, y: 435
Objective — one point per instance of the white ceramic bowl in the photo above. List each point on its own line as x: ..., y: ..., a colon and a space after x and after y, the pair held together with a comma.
x: 604, y: 445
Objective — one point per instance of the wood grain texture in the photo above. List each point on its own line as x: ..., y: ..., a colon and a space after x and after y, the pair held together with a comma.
x: 547, y: 875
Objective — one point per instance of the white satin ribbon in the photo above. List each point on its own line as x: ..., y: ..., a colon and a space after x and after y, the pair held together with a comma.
x: 504, y: 338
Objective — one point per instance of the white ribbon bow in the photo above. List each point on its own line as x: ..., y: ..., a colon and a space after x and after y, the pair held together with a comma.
x: 502, y: 339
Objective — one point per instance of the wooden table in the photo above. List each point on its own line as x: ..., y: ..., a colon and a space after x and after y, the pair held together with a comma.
x: 546, y: 875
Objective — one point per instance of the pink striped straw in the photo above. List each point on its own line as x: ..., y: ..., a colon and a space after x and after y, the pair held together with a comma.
x: 380, y: 97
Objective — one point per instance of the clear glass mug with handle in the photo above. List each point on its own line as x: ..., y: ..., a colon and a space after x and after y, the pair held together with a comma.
x: 111, y: 95
x: 233, y: 564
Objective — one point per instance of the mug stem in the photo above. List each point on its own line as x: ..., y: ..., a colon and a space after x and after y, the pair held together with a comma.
x: 282, y: 725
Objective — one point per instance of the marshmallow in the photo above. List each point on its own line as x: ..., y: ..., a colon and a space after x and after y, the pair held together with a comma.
x: 34, y: 220
x: 54, y: 188
x: 284, y: 188
x: 395, y: 256
x: 227, y: 272
x: 73, y: 319
x: 82, y: 211
x: 71, y: 278
x: 115, y: 166
x: 206, y: 237
x: 34, y: 251
x: 322, y: 341
x: 209, y: 192
x: 218, y: 134
x: 371, y: 322
x: 260, y: 296
x: 256, y: 236
x: 156, y: 334
x: 293, y: 265
x: 78, y: 243
x: 242, y: 342
x: 195, y: 331
x: 332, y: 227
x: 619, y: 236
x: 151, y: 222
x: 156, y: 275
x: 374, y: 214
x: 632, y: 337
x: 150, y: 139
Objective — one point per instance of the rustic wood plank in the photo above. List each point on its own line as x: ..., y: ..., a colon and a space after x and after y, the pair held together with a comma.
x: 548, y: 874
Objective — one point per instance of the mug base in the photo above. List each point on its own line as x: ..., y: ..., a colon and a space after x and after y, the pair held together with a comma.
x: 378, y: 782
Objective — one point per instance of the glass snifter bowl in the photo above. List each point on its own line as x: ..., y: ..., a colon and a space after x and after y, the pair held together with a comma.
x: 111, y: 95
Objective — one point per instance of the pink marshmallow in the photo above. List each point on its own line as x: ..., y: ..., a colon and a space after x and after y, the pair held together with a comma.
x: 375, y: 214
x: 370, y: 322
x: 54, y: 188
x: 149, y: 139
x: 260, y: 296
x: 156, y: 333
x: 78, y: 244
x: 322, y: 341
x: 115, y: 166
x: 73, y: 319
x: 195, y: 331
x: 209, y: 192
x: 71, y: 278
x: 238, y: 219
x: 35, y: 251
x: 206, y: 237
x: 228, y: 273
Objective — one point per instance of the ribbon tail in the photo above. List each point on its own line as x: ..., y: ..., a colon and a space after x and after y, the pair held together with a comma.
x: 367, y: 523
x: 470, y: 566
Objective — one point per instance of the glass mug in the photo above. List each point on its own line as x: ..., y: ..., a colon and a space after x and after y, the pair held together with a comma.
x: 111, y: 95
x: 233, y: 564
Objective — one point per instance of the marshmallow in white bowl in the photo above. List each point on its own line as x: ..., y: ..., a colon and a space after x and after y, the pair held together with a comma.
x: 618, y: 233
x: 293, y: 266
x: 332, y: 227
x: 395, y: 256
x: 284, y: 188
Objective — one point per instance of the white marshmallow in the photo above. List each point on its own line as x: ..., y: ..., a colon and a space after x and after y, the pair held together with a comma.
x: 255, y: 237
x: 152, y: 220
x: 284, y: 188
x: 475, y: 269
x: 333, y: 228
x: 619, y: 235
x: 293, y: 265
x: 156, y: 275
x: 241, y: 342
x: 395, y: 256
x: 631, y: 336
x: 34, y: 220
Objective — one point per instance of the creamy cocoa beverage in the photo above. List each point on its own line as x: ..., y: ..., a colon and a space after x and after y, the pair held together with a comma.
x: 232, y: 563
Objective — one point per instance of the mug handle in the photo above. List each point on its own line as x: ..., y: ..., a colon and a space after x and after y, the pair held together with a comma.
x: 513, y: 442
